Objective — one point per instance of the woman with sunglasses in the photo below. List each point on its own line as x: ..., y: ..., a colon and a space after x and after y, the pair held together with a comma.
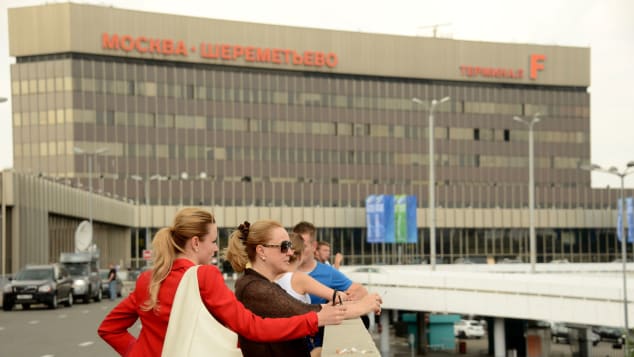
x: 192, y: 240
x: 262, y: 251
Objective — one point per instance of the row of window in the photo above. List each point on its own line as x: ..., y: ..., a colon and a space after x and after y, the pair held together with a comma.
x: 309, y: 156
x: 241, y: 95
x: 457, y: 194
x: 339, y: 128
x: 203, y: 177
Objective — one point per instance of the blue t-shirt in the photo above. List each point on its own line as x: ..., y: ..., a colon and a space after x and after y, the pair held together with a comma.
x: 330, y: 277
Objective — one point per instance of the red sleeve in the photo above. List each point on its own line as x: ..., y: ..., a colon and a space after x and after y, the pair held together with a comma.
x: 114, y: 327
x: 226, y: 308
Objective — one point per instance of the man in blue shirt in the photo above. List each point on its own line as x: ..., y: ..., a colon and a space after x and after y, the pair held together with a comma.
x: 323, y: 273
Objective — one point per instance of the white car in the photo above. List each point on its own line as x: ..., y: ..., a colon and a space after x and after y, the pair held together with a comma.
x: 468, y: 329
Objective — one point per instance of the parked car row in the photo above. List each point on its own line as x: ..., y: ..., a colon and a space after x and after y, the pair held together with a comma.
x: 610, y: 334
x: 39, y: 284
x: 60, y: 283
x: 561, y: 333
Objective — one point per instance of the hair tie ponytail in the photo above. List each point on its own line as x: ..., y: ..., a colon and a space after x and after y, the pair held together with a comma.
x: 244, y: 231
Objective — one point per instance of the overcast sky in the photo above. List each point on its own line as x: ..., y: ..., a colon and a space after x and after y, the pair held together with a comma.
x: 606, y: 26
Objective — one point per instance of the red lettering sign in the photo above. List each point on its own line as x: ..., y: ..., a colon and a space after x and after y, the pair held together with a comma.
x: 218, y: 51
x: 537, y: 64
x: 491, y: 72
x: 142, y: 44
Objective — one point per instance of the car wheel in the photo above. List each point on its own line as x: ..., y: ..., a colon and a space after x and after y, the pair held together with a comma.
x: 463, y: 334
x: 87, y: 297
x: 7, y: 306
x: 99, y: 295
x: 53, y: 305
x: 26, y: 306
x: 69, y: 301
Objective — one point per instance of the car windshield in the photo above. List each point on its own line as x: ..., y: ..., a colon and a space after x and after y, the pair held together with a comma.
x: 77, y: 268
x: 35, y: 274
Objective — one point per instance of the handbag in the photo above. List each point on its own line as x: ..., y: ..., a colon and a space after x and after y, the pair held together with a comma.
x: 192, y: 330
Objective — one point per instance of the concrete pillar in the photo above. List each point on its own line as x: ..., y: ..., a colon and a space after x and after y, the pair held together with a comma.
x: 385, y: 334
x: 499, y: 337
x: 422, y: 332
x: 371, y: 317
x: 583, y: 336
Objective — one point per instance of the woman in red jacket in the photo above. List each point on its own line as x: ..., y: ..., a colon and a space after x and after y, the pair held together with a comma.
x: 192, y: 240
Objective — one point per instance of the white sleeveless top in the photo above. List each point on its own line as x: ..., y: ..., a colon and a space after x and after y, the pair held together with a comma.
x: 285, y: 283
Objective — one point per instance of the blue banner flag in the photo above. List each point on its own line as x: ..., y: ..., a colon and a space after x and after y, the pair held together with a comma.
x: 629, y: 212
x: 619, y: 221
x: 374, y: 220
x: 388, y: 216
x: 412, y: 224
x: 391, y: 219
x: 630, y: 219
x: 400, y: 218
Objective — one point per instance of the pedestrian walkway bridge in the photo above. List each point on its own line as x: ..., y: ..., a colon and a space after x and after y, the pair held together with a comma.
x: 584, y: 294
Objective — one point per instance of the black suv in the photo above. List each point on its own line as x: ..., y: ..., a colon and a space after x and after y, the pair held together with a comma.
x: 611, y: 334
x: 39, y: 284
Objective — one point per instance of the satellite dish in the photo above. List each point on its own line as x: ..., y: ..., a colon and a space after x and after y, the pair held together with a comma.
x: 83, y: 237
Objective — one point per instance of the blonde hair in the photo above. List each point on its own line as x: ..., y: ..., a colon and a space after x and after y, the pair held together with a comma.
x: 298, y: 247
x: 169, y: 241
x: 242, y: 242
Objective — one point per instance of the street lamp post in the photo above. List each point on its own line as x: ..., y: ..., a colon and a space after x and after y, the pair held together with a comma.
x: 4, y: 215
x: 622, y: 174
x: 146, y: 182
x: 90, y: 154
x: 531, y: 187
x: 183, y: 176
x: 203, y: 178
x: 4, y: 223
x: 432, y: 183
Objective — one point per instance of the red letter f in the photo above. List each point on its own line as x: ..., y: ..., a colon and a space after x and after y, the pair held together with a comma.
x: 537, y: 64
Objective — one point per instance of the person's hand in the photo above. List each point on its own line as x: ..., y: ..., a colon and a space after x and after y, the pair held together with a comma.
x: 372, y: 302
x: 338, y: 260
x: 356, y: 292
x: 331, y: 315
x: 341, y: 296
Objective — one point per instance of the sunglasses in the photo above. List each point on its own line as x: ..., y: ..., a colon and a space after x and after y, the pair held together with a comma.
x: 284, y: 246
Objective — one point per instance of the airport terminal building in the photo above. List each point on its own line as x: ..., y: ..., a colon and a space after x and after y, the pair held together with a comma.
x: 262, y: 121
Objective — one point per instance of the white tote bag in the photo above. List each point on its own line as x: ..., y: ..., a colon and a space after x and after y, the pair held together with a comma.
x: 192, y: 330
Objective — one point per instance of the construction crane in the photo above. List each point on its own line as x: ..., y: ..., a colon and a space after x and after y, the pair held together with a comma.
x: 434, y: 27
